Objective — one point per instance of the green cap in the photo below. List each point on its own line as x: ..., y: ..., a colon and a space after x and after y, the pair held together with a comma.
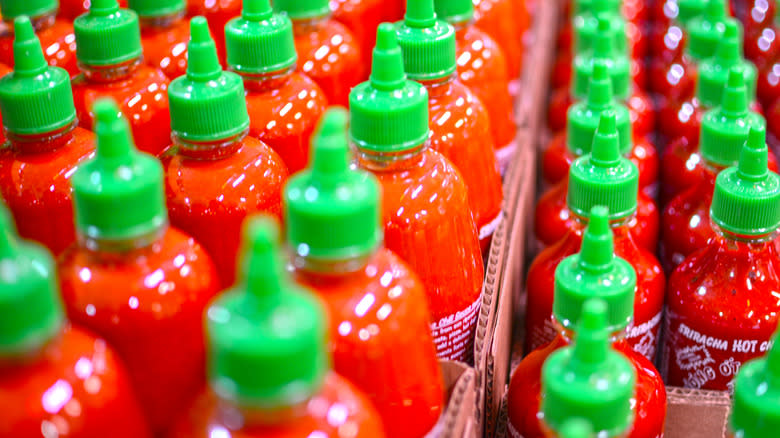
x: 595, y: 272
x: 603, y: 47
x: 302, y: 9
x: 428, y: 44
x: 724, y: 129
x: 332, y: 211
x: 454, y: 11
x: 107, y: 35
x: 266, y: 336
x: 576, y: 428
x: 119, y: 194
x: 208, y: 103
x: 706, y: 30
x: 589, y: 379
x: 714, y: 72
x: 582, y: 118
x: 604, y: 177
x: 746, y: 200
x: 585, y: 25
x: 157, y: 8
x: 10, y: 9
x: 30, y: 309
x: 687, y: 10
x: 259, y: 41
x: 35, y: 98
x: 388, y: 113
x: 756, y: 409
x: 584, y: 6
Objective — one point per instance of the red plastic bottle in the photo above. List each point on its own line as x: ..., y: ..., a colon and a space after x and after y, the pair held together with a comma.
x: 592, y: 273
x: 4, y: 70
x: 56, y: 35
x: 328, y: 52
x: 116, y: 71
x: 216, y: 175
x: 159, y: 279
x: 671, y: 71
x: 507, y: 26
x: 600, y: 178
x: 70, y: 9
x: 164, y: 34
x: 217, y: 13
x: 269, y: 367
x: 45, y: 144
x: 361, y: 17
x: 284, y: 105
x: 378, y: 312
x: 55, y: 379
x: 427, y: 218
x: 722, y: 300
x: 760, y: 31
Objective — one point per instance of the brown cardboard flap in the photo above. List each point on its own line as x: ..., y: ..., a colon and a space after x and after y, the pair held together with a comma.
x: 459, y: 417
x: 693, y: 413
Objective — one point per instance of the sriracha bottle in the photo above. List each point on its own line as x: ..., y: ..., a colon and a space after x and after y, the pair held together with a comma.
x: 164, y: 34
x: 378, y: 312
x: 722, y: 300
x: 215, y: 174
x: 45, y: 144
x: 133, y: 279
x: 426, y: 214
x: 507, y: 25
x: 283, y: 103
x: 362, y: 17
x: 755, y: 410
x: 268, y: 364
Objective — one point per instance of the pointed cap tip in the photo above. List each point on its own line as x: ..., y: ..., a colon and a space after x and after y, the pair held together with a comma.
x: 262, y: 233
x: 731, y: 29
x: 736, y: 78
x: 386, y: 38
x: 598, y: 221
x: 330, y: 153
x: 106, y: 111
x: 23, y: 29
x: 594, y: 315
x: 420, y: 13
x: 607, y: 123
x: 199, y: 30
x: 600, y: 70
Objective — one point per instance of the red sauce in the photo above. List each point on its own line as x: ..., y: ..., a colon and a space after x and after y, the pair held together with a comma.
x: 362, y: 17
x: 500, y: 20
x: 35, y: 176
x: 760, y: 32
x: 70, y: 9
x: 57, y: 40
x: 389, y: 341
x: 153, y: 315
x: 165, y: 46
x: 768, y: 83
x: 4, y: 70
x: 640, y: 107
x: 217, y: 13
x: 672, y: 73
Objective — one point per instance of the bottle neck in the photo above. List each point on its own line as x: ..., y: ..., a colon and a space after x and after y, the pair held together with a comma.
x: 737, y: 241
x: 237, y: 416
x: 582, y: 221
x: 120, y: 248
x: 440, y: 86
x: 41, y: 22
x: 328, y: 270
x: 303, y: 26
x: 110, y: 73
x: 264, y: 82
x: 380, y: 161
x: 161, y: 21
x: 568, y: 334
x: 208, y: 150
x: 45, y: 142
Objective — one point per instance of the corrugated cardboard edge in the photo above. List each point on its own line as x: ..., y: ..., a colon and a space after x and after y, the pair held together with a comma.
x: 693, y: 413
x: 459, y: 418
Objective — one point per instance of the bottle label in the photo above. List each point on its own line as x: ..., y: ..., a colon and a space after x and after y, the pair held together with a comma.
x: 541, y: 334
x: 454, y: 334
x: 643, y: 337
x: 489, y: 228
x: 504, y: 156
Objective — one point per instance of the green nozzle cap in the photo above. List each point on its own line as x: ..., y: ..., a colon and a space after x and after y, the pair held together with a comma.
x: 582, y: 118
x: 725, y: 129
x: 119, y: 194
x: 585, y: 25
x: 388, y: 113
x: 36, y: 98
x: 157, y: 8
x: 302, y: 9
x: 11, y: 9
x: 107, y: 35
x: 30, y: 309
x: 603, y: 47
x: 589, y: 378
x: 714, y: 72
x: 746, y: 200
x: 266, y: 336
x: 331, y: 211
x: 207, y: 104
x: 687, y: 10
x: 428, y: 44
x: 454, y: 11
x: 260, y: 41
x: 576, y: 428
x: 604, y: 177
x: 756, y: 409
x: 706, y: 30
x: 595, y: 273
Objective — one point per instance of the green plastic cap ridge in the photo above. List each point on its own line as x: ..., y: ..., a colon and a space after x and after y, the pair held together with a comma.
x: 585, y: 25
x: 454, y: 11
x: 603, y: 47
x: 687, y: 10
x: 713, y: 72
x: 756, y: 405
x: 35, y: 98
x: 724, y: 129
x: 260, y: 41
x: 706, y: 30
x: 332, y: 211
x: 576, y: 428
x: 604, y: 177
x: 582, y: 118
x: 302, y: 9
x: 11, y: 9
x: 157, y: 8
x: 428, y: 44
x: 107, y: 35
x: 207, y: 104
x: 746, y: 200
x: 589, y: 379
x: 595, y: 272
x: 266, y: 336
x: 31, y: 313
x: 119, y: 194
x: 388, y: 113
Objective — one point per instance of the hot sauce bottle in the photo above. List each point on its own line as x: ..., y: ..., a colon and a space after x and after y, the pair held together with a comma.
x: 268, y: 364
x: 482, y: 68
x: 722, y: 300
x: 459, y: 123
x: 164, y: 34
x: 378, y: 312
x: 215, y: 174
x: 4, y: 70
x: 596, y: 273
x: 55, y: 378
x: 110, y: 54
x: 131, y: 278
x: 426, y: 215
x: 45, y: 145
x: 756, y: 405
x: 329, y: 53
x: 362, y: 17
x: 283, y: 103
x: 217, y: 13
x: 502, y: 20
x: 605, y: 178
